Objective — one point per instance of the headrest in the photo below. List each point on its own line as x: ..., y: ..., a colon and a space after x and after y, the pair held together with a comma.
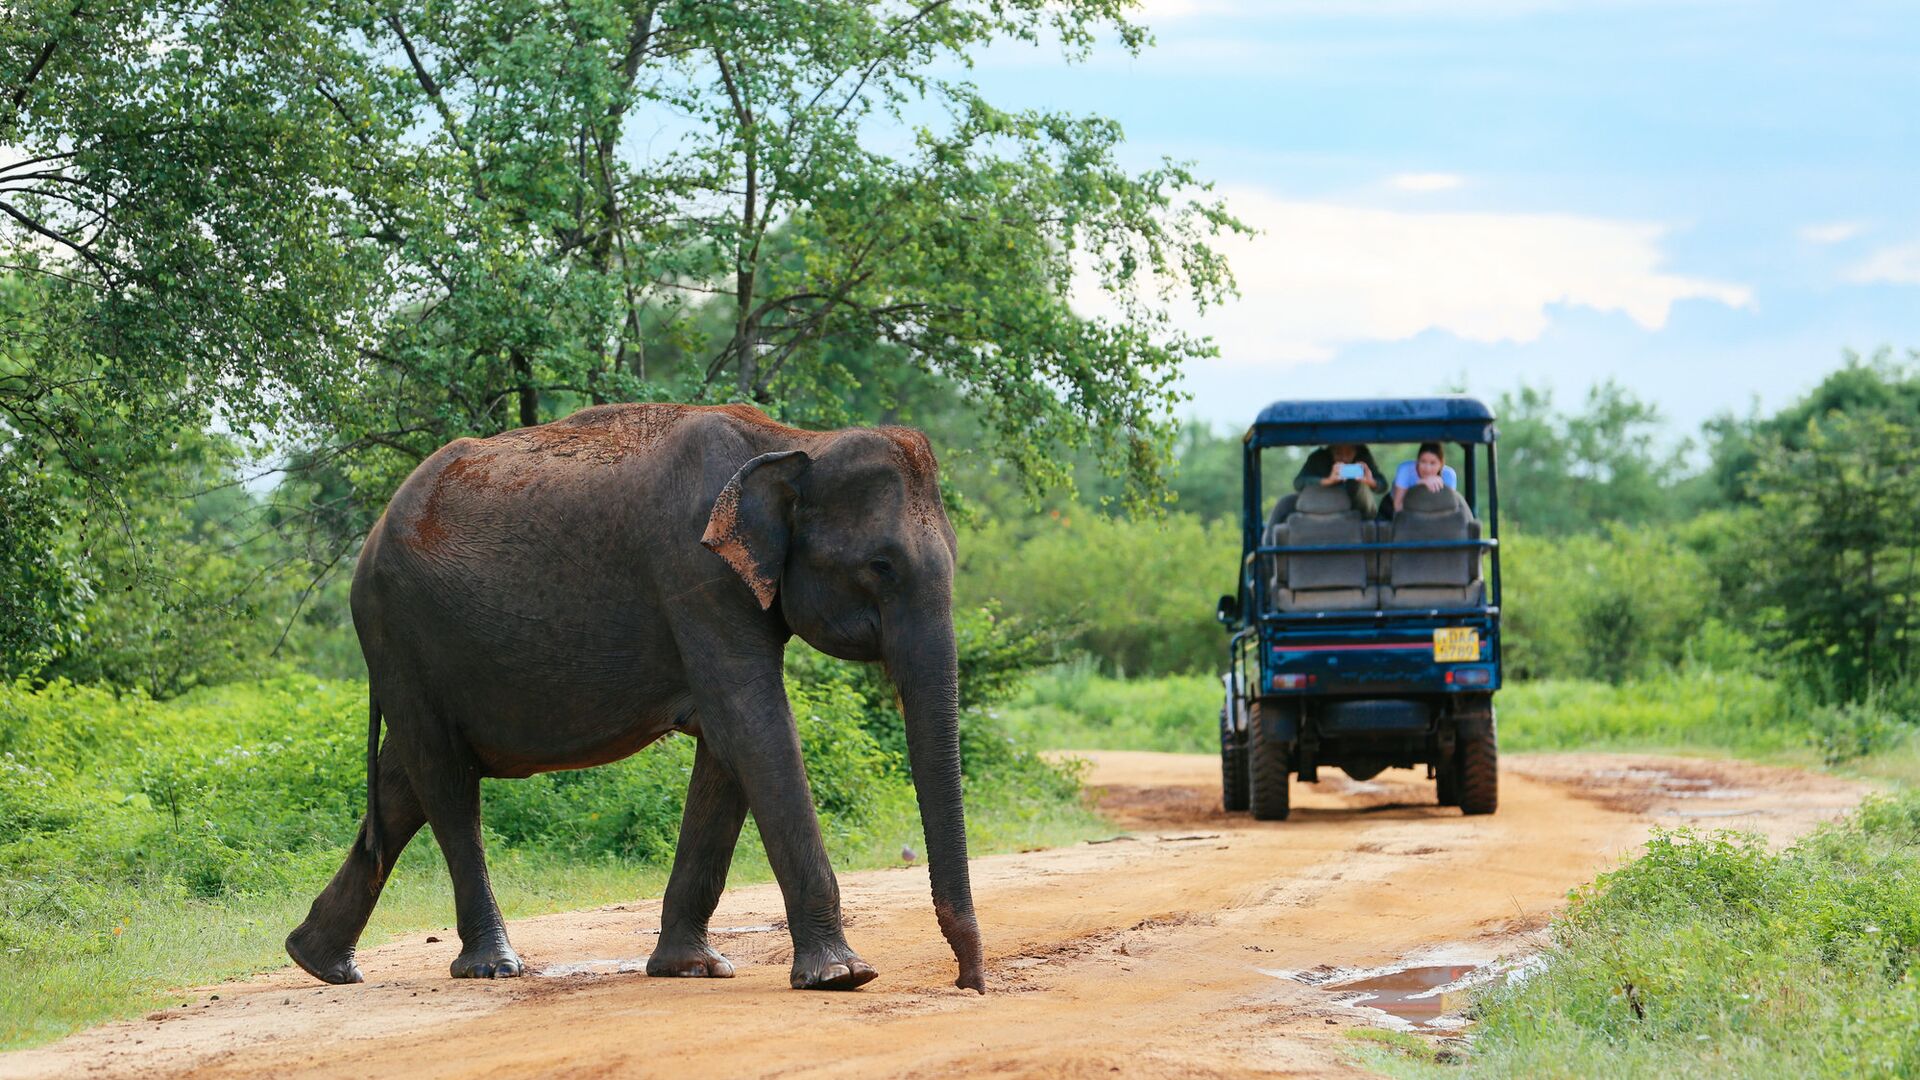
x: 1421, y: 501
x: 1316, y: 499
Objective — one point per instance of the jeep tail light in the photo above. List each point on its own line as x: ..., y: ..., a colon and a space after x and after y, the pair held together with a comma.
x: 1292, y: 682
x: 1470, y: 676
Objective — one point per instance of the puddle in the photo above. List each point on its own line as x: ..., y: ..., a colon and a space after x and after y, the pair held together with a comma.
x: 1426, y: 998
x: 1673, y: 785
x: 1426, y: 994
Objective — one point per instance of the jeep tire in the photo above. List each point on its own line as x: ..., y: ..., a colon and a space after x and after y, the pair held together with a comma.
x: 1476, y: 756
x: 1233, y: 763
x: 1269, y: 765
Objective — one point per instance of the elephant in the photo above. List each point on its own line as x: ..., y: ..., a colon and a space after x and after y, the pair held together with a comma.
x: 560, y: 596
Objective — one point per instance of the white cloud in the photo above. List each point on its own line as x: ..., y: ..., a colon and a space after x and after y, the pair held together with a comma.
x: 1895, y: 265
x: 1831, y: 232
x: 1427, y: 181
x: 1323, y: 275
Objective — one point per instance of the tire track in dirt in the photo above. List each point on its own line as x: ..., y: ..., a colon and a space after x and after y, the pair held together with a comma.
x: 1154, y: 954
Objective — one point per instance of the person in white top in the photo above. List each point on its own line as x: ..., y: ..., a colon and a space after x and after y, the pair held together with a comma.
x: 1428, y: 469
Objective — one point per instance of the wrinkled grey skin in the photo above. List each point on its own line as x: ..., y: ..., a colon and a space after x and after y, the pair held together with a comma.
x: 561, y: 596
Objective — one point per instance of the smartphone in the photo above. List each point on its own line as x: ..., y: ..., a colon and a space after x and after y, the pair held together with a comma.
x: 1352, y: 472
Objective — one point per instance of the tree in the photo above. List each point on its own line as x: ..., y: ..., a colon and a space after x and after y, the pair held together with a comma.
x: 767, y: 233
x: 1573, y: 472
x: 363, y: 230
x: 1834, y: 542
x: 1874, y: 384
x: 41, y: 593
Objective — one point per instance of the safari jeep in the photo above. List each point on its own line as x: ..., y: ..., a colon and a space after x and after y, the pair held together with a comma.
x: 1364, y: 641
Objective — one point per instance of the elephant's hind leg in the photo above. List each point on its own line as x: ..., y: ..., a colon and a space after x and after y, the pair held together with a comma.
x: 716, y: 809
x: 324, y: 943
x: 448, y: 783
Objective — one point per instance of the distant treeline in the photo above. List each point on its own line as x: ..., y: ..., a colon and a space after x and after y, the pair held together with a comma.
x: 1787, y: 540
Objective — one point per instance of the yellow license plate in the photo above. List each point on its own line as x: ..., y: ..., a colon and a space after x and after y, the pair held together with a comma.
x: 1452, y: 644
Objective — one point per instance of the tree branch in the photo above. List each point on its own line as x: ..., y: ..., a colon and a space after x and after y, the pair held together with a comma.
x: 432, y: 88
x: 40, y: 62
x: 82, y: 250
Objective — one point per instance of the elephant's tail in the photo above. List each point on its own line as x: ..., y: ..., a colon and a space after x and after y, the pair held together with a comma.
x: 372, y: 831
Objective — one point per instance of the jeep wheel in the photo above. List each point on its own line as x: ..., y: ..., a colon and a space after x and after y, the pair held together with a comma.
x: 1477, y: 754
x: 1233, y: 763
x: 1270, y: 765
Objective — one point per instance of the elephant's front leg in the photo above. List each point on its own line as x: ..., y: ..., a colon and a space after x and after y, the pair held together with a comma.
x: 716, y: 808
x: 751, y: 729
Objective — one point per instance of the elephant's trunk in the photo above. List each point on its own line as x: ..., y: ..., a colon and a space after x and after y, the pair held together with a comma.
x: 926, y: 670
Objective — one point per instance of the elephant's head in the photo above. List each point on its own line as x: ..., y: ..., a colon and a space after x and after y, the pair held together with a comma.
x: 849, y: 537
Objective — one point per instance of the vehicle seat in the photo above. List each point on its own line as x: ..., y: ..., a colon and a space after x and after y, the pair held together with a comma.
x: 1433, y: 579
x: 1325, y: 581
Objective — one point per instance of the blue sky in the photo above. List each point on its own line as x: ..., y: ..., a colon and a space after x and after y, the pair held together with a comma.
x: 1705, y: 199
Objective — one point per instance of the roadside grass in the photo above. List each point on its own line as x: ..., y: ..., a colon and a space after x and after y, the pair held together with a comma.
x: 1710, y: 956
x: 158, y: 941
x: 1698, y: 712
x: 1400, y: 1053
x: 1074, y: 707
x: 148, y: 846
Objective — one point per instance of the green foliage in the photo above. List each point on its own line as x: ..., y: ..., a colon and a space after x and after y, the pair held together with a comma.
x: 1711, y: 956
x: 1850, y: 730
x: 1137, y: 591
x: 1616, y: 605
x: 1877, y: 384
x: 997, y: 655
x: 1075, y: 707
x: 1574, y: 472
x: 40, y: 592
x: 1835, y: 547
x: 1695, y: 711
x: 382, y: 227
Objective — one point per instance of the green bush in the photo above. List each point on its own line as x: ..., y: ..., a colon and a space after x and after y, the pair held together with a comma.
x: 1075, y: 707
x: 1618, y: 606
x: 1856, y: 729
x: 1139, y: 594
x: 1711, y: 956
x: 1687, y: 710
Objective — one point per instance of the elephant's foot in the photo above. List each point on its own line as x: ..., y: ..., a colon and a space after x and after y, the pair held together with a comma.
x: 832, y: 967
x: 492, y: 959
x: 688, y: 962
x: 328, y: 963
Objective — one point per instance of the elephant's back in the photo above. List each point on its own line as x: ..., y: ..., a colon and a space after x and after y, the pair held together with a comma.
x: 521, y: 563
x: 474, y: 495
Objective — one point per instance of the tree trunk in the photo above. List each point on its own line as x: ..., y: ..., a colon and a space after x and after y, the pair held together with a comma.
x: 528, y: 393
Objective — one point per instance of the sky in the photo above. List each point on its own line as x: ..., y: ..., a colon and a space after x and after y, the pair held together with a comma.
x: 1705, y: 200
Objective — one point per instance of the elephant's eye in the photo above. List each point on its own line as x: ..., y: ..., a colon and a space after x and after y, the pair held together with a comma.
x: 881, y: 567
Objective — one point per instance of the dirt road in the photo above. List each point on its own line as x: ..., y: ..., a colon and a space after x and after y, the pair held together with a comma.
x: 1194, y: 945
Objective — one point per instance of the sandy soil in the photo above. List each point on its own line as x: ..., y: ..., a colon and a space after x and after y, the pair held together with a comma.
x: 1195, y: 944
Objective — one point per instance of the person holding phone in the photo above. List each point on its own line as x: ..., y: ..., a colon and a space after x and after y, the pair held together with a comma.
x: 1428, y: 469
x: 1351, y: 464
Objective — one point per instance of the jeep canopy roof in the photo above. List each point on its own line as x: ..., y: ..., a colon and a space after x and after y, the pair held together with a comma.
x: 1453, y: 419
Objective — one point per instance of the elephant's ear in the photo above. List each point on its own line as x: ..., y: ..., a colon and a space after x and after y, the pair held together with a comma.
x: 752, y: 520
